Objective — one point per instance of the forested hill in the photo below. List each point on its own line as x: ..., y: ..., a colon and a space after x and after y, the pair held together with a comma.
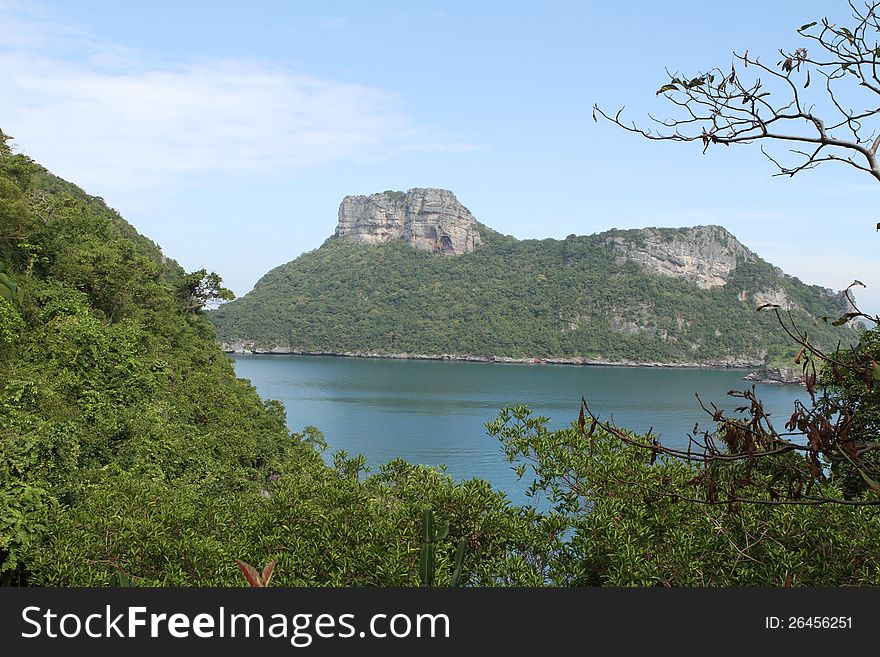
x: 414, y: 273
x: 129, y: 450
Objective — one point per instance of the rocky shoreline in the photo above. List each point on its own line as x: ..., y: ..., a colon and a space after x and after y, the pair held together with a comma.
x: 736, y: 363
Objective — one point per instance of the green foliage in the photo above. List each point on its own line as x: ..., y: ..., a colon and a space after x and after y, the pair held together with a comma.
x: 859, y: 395
x: 120, y: 579
x: 533, y: 298
x: 201, y: 288
x: 395, y: 196
x: 321, y: 526
x: 129, y: 451
x: 782, y: 356
x: 627, y: 522
x: 427, y: 555
x: 9, y: 289
x: 11, y: 323
x: 131, y: 454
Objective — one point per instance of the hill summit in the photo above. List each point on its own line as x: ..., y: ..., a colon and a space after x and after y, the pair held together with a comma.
x: 428, y: 219
x: 415, y: 275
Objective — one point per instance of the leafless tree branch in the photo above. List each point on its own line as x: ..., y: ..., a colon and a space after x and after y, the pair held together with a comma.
x: 729, y: 108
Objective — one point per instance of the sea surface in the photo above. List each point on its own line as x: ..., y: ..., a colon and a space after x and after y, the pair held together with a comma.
x: 434, y: 412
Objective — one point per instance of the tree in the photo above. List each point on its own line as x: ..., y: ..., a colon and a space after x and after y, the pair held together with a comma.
x: 200, y: 288
x: 818, y: 99
x: 810, y: 100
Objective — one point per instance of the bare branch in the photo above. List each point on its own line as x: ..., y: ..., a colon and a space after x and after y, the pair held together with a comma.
x: 721, y: 108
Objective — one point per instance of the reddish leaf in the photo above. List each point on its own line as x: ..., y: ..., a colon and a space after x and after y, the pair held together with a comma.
x: 250, y: 574
x: 267, y: 572
x: 712, y: 492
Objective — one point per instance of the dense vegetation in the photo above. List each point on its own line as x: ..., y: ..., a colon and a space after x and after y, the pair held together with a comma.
x: 636, y: 522
x: 128, y: 445
x: 544, y: 298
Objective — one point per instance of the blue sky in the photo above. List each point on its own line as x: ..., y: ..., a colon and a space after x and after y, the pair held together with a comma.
x: 229, y: 132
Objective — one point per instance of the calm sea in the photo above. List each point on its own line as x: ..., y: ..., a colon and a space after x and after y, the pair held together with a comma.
x: 434, y: 412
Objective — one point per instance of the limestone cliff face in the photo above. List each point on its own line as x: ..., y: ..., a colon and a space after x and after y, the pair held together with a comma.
x: 704, y: 255
x: 427, y: 219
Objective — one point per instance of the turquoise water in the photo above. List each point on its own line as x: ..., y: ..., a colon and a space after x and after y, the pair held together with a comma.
x: 434, y: 412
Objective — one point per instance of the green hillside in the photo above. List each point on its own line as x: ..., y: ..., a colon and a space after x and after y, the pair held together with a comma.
x: 519, y: 298
x: 128, y: 448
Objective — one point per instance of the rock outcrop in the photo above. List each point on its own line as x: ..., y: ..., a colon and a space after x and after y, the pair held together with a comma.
x: 775, y: 296
x: 427, y: 219
x: 704, y: 255
x: 778, y: 374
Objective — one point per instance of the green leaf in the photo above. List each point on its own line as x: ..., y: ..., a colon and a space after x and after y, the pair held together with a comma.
x: 426, y: 564
x: 806, y: 27
x: 8, y: 289
x: 459, y: 559
x: 876, y: 372
x: 665, y: 88
x: 427, y: 526
x: 120, y: 579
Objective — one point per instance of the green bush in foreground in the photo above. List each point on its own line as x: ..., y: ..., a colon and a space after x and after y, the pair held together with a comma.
x: 633, y: 523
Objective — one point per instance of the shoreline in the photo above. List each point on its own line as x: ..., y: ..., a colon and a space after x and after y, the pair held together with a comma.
x: 532, y: 360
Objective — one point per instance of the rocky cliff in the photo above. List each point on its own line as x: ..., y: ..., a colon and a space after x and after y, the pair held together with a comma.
x: 427, y: 219
x: 703, y: 255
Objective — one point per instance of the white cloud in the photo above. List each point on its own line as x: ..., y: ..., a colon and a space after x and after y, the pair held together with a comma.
x: 121, y: 121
